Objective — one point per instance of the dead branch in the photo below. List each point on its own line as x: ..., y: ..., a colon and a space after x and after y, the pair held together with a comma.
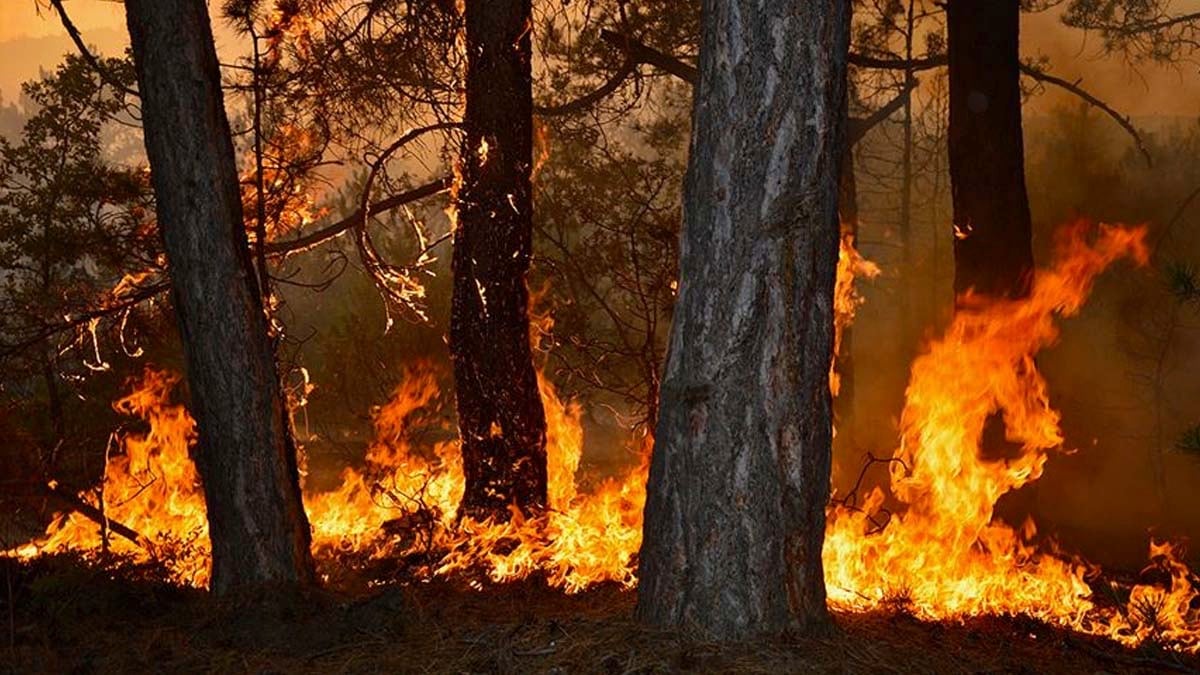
x: 915, y: 65
x: 379, y: 270
x: 859, y: 126
x: 76, y: 320
x: 70, y: 500
x: 87, y: 54
x: 1074, y: 88
x: 317, y: 237
x: 628, y: 68
x: 640, y: 52
x: 1027, y: 70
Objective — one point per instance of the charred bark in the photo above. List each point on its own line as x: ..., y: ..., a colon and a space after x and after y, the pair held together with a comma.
x: 246, y: 455
x: 500, y: 415
x: 735, y: 509
x: 993, y: 249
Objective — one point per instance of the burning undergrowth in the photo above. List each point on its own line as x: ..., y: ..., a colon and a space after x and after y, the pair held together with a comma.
x: 942, y: 556
x: 397, y: 512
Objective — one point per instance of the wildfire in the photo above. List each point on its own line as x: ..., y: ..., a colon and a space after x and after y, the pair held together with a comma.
x: 941, y: 557
x: 151, y: 487
x: 402, y: 503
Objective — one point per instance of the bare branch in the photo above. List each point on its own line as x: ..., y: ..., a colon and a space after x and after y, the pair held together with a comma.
x: 1075, y: 89
x: 859, y: 126
x: 639, y: 52
x: 87, y: 54
x: 588, y: 100
x: 317, y: 237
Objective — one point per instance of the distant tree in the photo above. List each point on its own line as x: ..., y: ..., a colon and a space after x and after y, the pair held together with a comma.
x: 71, y: 222
x: 246, y: 455
x: 500, y: 415
x: 735, y: 510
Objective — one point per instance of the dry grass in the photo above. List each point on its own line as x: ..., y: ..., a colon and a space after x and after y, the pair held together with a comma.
x: 69, y: 617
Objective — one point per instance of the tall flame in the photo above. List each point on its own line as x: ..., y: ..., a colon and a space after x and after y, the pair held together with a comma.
x: 944, y: 556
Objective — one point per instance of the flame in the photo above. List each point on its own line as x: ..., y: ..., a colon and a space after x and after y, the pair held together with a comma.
x: 846, y: 298
x: 943, y: 556
x: 585, y: 538
x: 150, y: 486
x: 290, y: 203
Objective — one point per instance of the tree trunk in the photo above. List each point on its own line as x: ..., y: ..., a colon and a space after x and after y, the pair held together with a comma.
x: 993, y: 250
x: 246, y: 454
x: 735, y: 510
x: 500, y: 415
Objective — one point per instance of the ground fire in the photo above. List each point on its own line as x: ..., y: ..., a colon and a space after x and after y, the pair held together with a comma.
x: 599, y: 336
x: 942, y: 556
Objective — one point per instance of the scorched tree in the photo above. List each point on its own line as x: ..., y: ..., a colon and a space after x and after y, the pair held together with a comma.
x: 735, y: 509
x: 246, y: 454
x: 500, y: 415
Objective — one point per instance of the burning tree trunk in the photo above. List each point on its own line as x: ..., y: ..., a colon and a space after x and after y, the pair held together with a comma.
x: 735, y: 510
x: 246, y: 455
x: 500, y: 415
x: 993, y: 251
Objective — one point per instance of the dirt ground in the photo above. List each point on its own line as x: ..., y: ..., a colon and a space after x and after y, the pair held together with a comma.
x: 60, y: 616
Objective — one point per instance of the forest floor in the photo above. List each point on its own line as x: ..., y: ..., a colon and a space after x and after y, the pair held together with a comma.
x: 61, y: 616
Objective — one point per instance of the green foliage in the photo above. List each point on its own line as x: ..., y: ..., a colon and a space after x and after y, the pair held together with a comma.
x: 1189, y: 441
x: 1182, y: 282
x: 73, y: 222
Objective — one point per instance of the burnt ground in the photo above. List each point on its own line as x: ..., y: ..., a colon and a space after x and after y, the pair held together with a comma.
x: 62, y: 616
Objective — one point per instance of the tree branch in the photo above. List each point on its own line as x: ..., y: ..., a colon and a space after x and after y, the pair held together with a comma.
x: 308, y: 241
x: 87, y: 54
x: 1152, y: 26
x: 1075, y: 89
x: 915, y: 65
x: 639, y: 52
x: 588, y: 100
x: 1027, y: 70
x: 859, y: 126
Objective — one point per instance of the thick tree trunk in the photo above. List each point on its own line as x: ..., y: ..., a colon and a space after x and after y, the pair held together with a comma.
x: 500, y: 415
x: 735, y: 510
x: 246, y: 455
x: 993, y: 250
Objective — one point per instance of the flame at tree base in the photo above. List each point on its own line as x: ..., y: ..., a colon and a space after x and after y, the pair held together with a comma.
x: 943, y: 557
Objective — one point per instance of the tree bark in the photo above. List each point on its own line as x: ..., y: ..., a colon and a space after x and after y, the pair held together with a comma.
x: 993, y: 249
x: 500, y: 415
x: 739, y: 480
x: 246, y: 455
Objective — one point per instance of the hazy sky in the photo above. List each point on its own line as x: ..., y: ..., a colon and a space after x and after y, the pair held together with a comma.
x: 29, y: 42
x: 19, y: 18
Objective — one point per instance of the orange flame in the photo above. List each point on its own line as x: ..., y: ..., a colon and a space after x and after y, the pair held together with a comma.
x: 942, y: 557
x: 846, y: 298
x: 151, y: 487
